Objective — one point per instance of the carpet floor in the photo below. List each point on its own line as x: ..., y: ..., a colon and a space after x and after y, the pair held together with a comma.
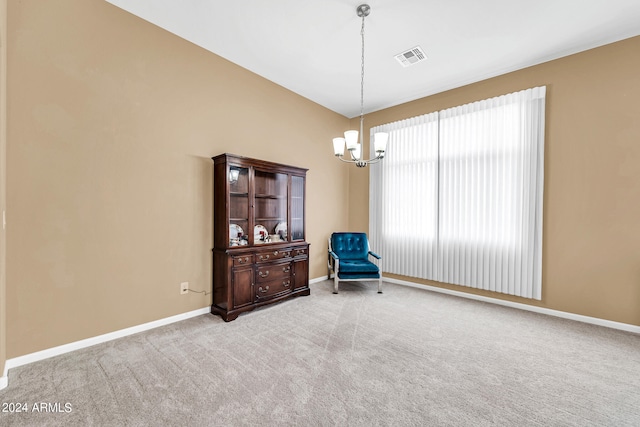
x: 408, y: 357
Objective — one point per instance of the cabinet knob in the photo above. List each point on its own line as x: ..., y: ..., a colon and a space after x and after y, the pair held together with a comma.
x: 286, y: 284
x: 264, y: 257
x: 275, y: 253
x: 264, y: 291
x: 286, y: 269
x: 263, y: 275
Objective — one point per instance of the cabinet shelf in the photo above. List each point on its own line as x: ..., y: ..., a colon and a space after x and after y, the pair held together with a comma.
x: 270, y: 196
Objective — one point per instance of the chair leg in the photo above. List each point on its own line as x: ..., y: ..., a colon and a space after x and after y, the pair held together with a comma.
x: 380, y: 278
x: 335, y: 283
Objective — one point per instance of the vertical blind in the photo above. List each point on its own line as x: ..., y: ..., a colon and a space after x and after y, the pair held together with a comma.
x: 406, y: 182
x: 458, y: 198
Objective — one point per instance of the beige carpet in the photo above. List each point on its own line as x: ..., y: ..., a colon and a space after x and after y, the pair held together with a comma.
x: 406, y: 357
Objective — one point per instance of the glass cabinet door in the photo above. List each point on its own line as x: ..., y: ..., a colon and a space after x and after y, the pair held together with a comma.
x: 270, y: 208
x: 297, y: 208
x: 238, y: 206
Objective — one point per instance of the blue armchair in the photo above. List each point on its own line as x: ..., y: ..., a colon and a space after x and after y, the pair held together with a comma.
x: 349, y: 259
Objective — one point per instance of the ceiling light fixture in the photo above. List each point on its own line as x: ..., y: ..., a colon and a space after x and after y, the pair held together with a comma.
x: 351, y: 136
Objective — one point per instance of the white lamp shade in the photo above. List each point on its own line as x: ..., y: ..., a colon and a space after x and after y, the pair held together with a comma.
x: 351, y: 136
x: 380, y: 141
x: 338, y: 146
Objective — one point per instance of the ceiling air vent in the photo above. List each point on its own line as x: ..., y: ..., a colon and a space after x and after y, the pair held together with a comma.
x: 412, y: 56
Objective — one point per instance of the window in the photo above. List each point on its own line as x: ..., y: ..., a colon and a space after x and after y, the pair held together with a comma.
x: 458, y: 198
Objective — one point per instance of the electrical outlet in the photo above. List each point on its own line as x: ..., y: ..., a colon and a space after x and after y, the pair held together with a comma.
x: 184, y: 288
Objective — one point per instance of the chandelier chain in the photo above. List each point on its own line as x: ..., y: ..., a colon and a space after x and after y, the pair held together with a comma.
x: 362, y: 81
x: 362, y: 71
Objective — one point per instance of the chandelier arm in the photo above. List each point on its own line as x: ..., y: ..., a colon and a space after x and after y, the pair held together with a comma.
x: 360, y: 161
x: 341, y: 158
x: 374, y: 160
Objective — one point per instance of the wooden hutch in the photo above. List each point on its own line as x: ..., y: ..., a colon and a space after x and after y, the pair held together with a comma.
x: 260, y: 255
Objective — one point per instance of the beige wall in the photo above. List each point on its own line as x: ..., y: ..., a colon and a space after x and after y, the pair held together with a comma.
x: 112, y: 124
x: 591, y: 236
x: 3, y: 145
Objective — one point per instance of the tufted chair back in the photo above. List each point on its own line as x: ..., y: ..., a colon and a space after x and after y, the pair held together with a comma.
x: 350, y: 245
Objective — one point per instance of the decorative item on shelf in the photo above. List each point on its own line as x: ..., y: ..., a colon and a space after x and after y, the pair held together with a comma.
x: 233, y: 175
x: 260, y: 234
x: 281, y: 230
x: 235, y: 235
x: 351, y: 136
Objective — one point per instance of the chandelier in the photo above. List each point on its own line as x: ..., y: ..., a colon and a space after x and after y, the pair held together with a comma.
x: 350, y: 139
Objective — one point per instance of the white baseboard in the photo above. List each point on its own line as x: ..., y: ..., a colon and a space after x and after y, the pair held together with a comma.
x: 66, y: 348
x: 563, y: 314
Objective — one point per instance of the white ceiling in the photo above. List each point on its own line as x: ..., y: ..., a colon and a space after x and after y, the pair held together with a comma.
x: 312, y: 47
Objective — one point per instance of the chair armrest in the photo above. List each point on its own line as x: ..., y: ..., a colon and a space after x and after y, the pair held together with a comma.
x: 333, y: 255
x: 375, y: 255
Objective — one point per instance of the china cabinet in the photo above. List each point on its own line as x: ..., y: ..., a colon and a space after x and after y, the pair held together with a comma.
x: 260, y: 255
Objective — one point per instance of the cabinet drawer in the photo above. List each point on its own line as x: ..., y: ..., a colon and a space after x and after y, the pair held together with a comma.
x: 267, y: 273
x: 300, y: 252
x: 273, y: 255
x: 273, y: 288
x: 239, y: 260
